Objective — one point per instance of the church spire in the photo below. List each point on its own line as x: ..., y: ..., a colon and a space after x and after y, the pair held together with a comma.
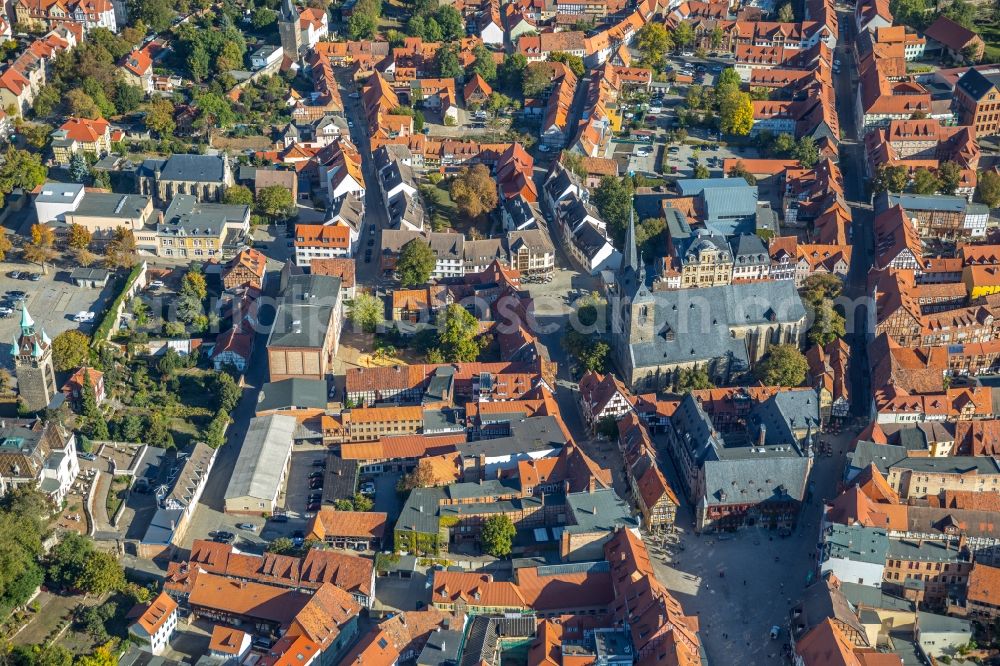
x: 27, y: 323
x: 631, y: 253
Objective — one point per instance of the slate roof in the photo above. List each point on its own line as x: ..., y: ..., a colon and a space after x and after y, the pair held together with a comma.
x: 295, y: 392
x: 694, y: 324
x: 190, y: 168
x: 976, y: 83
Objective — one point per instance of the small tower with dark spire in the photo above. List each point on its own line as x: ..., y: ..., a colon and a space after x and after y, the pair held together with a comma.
x: 36, y: 378
x: 632, y: 303
x: 290, y: 30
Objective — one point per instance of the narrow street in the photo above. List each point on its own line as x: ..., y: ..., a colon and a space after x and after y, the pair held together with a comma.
x: 852, y: 158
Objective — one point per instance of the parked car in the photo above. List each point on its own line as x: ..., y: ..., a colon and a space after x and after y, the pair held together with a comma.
x: 16, y: 275
x: 156, y: 284
x: 224, y: 537
x: 86, y: 456
x: 16, y: 294
x: 279, y: 518
x: 249, y: 527
x: 5, y: 312
x: 35, y: 277
x: 315, y: 506
x: 316, y: 475
x: 83, y: 316
x: 367, y: 488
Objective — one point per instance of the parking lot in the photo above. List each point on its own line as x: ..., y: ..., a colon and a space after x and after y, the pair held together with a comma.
x: 52, y: 301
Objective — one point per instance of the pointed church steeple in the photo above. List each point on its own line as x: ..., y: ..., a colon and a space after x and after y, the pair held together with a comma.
x: 631, y: 252
x: 27, y: 323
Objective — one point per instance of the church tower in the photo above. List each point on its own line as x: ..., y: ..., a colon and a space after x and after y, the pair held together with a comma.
x: 289, y: 30
x: 632, y: 304
x: 36, y: 378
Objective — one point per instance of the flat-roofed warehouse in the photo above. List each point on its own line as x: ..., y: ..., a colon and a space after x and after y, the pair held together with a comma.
x: 261, y: 466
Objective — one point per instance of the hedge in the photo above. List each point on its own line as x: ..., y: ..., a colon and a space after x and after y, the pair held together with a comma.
x: 103, y: 330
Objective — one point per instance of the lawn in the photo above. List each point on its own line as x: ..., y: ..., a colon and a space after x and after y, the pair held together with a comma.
x: 116, y: 495
x: 990, y: 32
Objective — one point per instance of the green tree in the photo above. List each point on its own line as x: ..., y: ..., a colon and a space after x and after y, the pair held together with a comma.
x: 693, y: 379
x: 784, y: 365
x: 362, y: 26
x: 451, y: 23
x: 683, y: 34
x: 701, y: 171
x: 535, y: 80
x: 962, y: 12
x: 66, y: 561
x: 819, y: 287
x: 458, y: 334
x: 101, y: 574
x: 79, y: 170
x: 924, y: 181
x: 128, y: 98
x: 806, y: 152
x: 988, y: 188
x: 156, y: 14
x: 20, y: 169
x: 367, y: 312
x: 510, y: 74
x: 214, y: 110
x: 890, y: 179
x: 281, y: 546
x: 613, y: 198
x: 498, y: 535
x: 238, y: 195
x: 950, y: 175
x: 24, y: 515
x: 728, y: 77
x: 909, y: 12
x: 70, y: 350
x: 263, y: 17
x: 81, y: 105
x: 574, y: 62
x: 276, y: 201
x: 101, y: 179
x: 416, y: 263
x: 828, y: 324
x: 447, y: 63
x: 160, y: 117
x: 484, y: 64
x: 653, y: 42
x: 786, y: 14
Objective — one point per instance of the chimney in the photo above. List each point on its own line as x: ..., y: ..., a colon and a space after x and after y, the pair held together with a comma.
x: 591, y: 484
x: 762, y: 435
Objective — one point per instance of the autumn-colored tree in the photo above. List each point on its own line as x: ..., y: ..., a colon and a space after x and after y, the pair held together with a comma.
x: 120, y: 251
x: 79, y: 237
x: 474, y: 191
x: 39, y: 250
x: 5, y: 245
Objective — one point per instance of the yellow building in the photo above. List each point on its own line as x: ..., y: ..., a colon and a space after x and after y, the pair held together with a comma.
x: 981, y: 280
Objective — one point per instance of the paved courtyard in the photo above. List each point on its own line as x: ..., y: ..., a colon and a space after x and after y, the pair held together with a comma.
x: 741, y: 585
